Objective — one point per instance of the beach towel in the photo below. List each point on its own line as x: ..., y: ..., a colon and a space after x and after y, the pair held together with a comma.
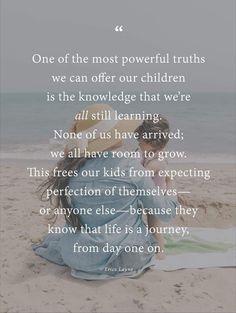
x: 203, y: 248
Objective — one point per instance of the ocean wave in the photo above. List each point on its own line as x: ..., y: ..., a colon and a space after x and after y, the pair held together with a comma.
x: 42, y: 152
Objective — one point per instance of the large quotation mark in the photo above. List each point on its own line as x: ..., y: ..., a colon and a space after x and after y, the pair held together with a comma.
x: 119, y: 28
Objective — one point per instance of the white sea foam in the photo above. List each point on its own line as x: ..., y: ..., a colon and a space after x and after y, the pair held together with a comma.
x: 42, y: 152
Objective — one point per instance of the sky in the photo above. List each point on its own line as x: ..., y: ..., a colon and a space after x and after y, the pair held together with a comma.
x: 57, y: 27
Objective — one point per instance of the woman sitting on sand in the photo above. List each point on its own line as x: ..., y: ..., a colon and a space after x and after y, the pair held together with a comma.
x: 109, y: 243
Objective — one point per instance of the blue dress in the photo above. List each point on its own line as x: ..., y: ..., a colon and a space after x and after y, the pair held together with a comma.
x: 103, y: 261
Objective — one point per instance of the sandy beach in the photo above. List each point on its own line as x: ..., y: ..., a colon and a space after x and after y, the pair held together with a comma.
x: 31, y: 284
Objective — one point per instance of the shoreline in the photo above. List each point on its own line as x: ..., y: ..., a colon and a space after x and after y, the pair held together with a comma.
x: 215, y: 199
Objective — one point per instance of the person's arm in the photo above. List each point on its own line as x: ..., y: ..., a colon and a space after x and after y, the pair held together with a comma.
x: 156, y: 166
x: 153, y: 165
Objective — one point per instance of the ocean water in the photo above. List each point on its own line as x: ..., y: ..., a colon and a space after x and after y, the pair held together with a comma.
x: 208, y: 124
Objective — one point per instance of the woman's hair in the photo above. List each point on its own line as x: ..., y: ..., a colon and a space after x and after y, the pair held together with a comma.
x: 54, y: 183
x: 152, y: 132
